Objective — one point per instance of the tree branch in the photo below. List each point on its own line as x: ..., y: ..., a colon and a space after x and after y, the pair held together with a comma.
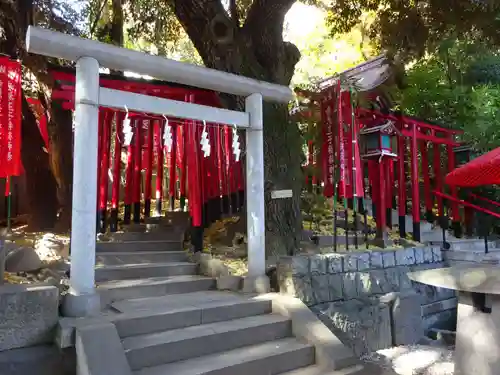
x: 269, y: 15
x: 203, y: 20
x: 233, y: 10
x: 264, y: 24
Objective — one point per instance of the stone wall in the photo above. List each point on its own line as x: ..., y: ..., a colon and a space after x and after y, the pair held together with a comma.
x: 28, y: 315
x: 366, y: 298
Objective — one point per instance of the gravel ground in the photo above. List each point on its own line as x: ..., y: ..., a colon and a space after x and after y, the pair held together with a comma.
x: 415, y: 360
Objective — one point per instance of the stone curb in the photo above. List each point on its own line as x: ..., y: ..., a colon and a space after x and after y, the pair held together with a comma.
x: 331, y: 354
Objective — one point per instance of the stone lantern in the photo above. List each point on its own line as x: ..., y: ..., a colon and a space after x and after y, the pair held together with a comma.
x: 377, y: 141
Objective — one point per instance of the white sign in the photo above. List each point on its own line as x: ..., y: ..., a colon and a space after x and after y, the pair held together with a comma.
x: 280, y: 194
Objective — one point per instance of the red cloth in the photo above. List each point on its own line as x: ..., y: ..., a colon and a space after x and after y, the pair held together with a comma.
x: 10, y: 118
x: 484, y: 170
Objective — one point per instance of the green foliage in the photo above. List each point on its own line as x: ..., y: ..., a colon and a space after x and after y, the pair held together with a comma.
x: 457, y: 86
x: 410, y: 28
x: 321, y: 55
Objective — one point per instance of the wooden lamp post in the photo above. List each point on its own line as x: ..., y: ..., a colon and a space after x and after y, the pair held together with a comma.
x: 376, y: 147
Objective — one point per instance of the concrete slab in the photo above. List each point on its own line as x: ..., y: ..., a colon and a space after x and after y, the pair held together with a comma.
x: 330, y: 352
x: 148, y: 315
x: 270, y: 358
x: 28, y: 315
x: 465, y: 278
x: 116, y: 258
x: 116, y: 290
x: 138, y: 246
x: 37, y: 360
x: 143, y: 270
x: 195, y: 341
x: 177, y: 302
x: 99, y: 351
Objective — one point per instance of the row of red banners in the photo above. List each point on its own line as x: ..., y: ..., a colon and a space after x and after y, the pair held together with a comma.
x: 201, y: 178
x: 340, y: 144
x: 10, y: 118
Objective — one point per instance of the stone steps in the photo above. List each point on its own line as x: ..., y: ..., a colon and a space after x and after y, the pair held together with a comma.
x: 270, y: 358
x: 172, y: 234
x: 164, y: 319
x: 117, y: 258
x: 207, y: 333
x: 137, y: 246
x: 159, y: 348
x: 364, y: 369
x: 143, y: 270
x: 156, y: 314
x: 116, y: 290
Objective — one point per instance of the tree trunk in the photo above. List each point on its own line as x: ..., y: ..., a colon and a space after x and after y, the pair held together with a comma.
x: 282, y: 156
x: 61, y: 161
x: 257, y: 50
x: 40, y: 182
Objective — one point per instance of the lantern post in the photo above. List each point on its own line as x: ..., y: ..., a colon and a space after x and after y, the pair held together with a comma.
x: 377, y: 147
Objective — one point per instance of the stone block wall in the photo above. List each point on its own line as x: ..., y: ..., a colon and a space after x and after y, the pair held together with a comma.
x: 366, y: 298
x: 28, y: 315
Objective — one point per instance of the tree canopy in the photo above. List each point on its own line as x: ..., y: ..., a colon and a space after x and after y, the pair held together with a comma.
x: 410, y: 28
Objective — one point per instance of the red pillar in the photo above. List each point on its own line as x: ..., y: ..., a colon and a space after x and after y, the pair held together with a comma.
x: 103, y: 178
x: 117, y: 164
x: 415, y: 184
x: 183, y: 179
x: 402, y: 186
x: 102, y: 115
x: 438, y: 178
x: 374, y: 188
x: 149, y: 170
x: 158, y: 128
x: 455, y: 213
x: 389, y: 186
x: 173, y: 168
x: 382, y: 203
x: 136, y: 197
x: 195, y: 197
x: 129, y: 178
x: 427, y: 182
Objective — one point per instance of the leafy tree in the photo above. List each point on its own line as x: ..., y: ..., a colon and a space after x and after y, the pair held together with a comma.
x: 48, y: 176
x: 246, y: 38
x: 410, y: 28
x: 457, y: 86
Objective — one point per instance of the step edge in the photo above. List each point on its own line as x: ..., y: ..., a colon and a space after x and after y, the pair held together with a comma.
x: 288, y: 345
x: 220, y: 328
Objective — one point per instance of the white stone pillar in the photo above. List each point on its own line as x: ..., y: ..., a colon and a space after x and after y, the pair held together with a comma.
x: 256, y: 280
x: 82, y: 299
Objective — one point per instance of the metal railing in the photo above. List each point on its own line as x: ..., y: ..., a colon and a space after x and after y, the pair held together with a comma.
x: 484, y: 228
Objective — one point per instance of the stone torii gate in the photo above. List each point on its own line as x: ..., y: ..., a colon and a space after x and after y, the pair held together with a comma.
x: 82, y: 299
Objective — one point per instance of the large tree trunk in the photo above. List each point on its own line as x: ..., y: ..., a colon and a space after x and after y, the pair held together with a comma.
x: 282, y: 156
x: 61, y: 160
x: 257, y: 50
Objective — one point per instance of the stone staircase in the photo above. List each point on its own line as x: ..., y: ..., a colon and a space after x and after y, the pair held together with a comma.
x: 170, y: 321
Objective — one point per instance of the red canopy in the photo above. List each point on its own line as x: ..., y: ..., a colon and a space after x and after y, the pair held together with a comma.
x: 484, y: 170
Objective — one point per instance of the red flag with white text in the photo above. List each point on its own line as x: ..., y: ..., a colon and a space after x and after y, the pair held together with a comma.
x: 10, y: 118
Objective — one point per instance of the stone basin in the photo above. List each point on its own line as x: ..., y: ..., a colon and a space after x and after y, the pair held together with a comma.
x: 477, y: 348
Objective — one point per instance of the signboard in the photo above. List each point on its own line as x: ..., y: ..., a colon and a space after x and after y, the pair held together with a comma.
x: 281, y: 194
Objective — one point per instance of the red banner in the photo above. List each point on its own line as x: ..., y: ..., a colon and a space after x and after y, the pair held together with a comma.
x: 328, y: 147
x: 10, y: 118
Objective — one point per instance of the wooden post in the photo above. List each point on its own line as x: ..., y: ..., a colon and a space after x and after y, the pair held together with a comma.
x: 415, y: 201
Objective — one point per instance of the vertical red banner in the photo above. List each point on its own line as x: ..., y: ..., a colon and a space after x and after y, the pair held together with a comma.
x: 346, y: 125
x: 328, y: 146
x: 10, y: 118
